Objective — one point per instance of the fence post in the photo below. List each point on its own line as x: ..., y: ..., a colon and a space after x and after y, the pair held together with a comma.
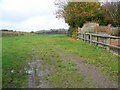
x: 108, y: 40
x: 83, y: 37
x: 96, y: 40
x: 90, y: 38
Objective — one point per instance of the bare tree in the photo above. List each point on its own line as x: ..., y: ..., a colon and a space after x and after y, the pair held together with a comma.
x: 113, y: 11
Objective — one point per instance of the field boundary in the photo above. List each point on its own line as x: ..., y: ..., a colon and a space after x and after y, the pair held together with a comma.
x: 102, y: 40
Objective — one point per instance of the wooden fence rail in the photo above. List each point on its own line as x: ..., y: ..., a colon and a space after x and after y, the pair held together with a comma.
x: 102, y: 40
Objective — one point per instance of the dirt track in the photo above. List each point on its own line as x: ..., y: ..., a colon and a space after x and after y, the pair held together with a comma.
x: 37, y: 72
x: 88, y: 70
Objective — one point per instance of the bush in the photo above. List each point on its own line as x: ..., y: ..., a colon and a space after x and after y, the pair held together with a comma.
x: 75, y: 33
x: 70, y: 30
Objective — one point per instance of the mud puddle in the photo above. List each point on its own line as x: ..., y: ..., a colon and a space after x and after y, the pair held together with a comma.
x: 37, y: 73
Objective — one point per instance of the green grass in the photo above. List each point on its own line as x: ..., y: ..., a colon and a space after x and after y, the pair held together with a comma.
x: 66, y: 75
x: 0, y: 63
x: 107, y: 62
x: 17, y: 52
x: 14, y: 56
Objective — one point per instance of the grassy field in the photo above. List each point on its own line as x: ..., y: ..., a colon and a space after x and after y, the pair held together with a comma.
x: 0, y: 62
x: 17, y: 51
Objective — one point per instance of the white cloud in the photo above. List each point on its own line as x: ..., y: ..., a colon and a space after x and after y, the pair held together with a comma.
x: 37, y: 23
x: 29, y: 15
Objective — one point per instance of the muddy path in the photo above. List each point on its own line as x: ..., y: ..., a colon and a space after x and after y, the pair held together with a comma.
x: 97, y: 79
x: 36, y: 72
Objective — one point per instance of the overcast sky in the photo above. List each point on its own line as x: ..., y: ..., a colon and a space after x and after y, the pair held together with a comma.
x: 29, y: 15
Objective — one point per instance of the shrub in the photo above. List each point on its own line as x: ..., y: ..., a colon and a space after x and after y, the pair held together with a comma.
x: 75, y: 33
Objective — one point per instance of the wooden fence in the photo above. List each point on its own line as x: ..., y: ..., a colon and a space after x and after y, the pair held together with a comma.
x: 104, y: 40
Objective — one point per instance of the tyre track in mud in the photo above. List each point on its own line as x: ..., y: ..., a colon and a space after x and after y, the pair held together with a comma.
x: 88, y: 70
x: 37, y: 72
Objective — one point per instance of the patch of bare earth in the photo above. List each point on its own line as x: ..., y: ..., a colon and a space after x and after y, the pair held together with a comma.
x: 36, y: 73
x: 91, y: 71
